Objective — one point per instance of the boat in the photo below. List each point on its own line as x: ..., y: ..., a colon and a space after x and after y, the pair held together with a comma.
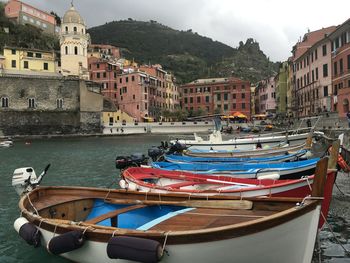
x: 216, y: 142
x: 6, y: 144
x: 176, y: 158
x: 285, y: 149
x: 287, y: 170
x: 91, y: 225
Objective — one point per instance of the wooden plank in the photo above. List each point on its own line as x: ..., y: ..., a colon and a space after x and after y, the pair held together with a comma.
x: 333, y: 158
x: 113, y: 214
x: 320, y: 178
x: 220, y: 204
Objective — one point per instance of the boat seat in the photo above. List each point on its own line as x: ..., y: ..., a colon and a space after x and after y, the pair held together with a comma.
x: 113, y: 215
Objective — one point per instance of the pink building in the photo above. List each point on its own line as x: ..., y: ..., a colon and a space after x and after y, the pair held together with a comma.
x: 26, y: 14
x: 266, y: 94
x: 105, y: 73
x: 103, y: 51
x: 312, y: 82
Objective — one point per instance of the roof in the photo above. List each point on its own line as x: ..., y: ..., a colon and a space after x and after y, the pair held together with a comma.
x: 310, y: 39
x: 72, y: 16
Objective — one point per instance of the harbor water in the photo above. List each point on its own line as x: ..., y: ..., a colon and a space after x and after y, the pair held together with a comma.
x: 90, y: 162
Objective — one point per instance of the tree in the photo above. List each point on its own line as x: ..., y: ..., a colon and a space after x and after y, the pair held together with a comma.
x: 57, y: 18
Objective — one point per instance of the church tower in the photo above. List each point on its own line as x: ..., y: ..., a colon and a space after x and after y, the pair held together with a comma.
x: 74, y: 42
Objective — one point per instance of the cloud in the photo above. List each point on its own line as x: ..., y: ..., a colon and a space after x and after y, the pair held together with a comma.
x: 275, y: 24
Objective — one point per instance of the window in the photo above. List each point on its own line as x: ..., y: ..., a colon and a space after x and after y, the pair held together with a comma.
x: 97, y: 65
x: 4, y: 102
x: 233, y: 96
x: 207, y: 99
x: 31, y: 103
x: 132, y: 78
x: 75, y: 50
x: 316, y: 73
x: 13, y: 51
x: 115, y: 85
x: 66, y: 50
x: 316, y: 54
x: 243, y: 105
x: 243, y: 96
x: 225, y: 96
x: 348, y: 61
x: 38, y: 55
x: 335, y: 68
x: 46, y: 66
x: 13, y: 63
x: 66, y: 29
x: 324, y: 50
x: 185, y: 100
x: 59, y: 103
x: 325, y: 70
x: 234, y: 106
x: 98, y: 75
x: 185, y: 91
x: 25, y: 64
x: 198, y: 99
x: 341, y: 68
x: 312, y: 75
x: 191, y: 99
x: 133, y: 96
x: 325, y: 91
x: 30, y: 54
x: 218, y: 96
x: 225, y: 107
x: 75, y: 29
x: 104, y: 74
x: 127, y: 79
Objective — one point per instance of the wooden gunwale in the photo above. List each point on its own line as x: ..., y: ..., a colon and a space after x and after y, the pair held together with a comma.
x: 103, y: 234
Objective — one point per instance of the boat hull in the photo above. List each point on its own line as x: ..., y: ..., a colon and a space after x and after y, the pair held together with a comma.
x: 293, y: 241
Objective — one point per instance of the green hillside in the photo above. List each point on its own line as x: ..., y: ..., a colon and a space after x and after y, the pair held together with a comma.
x: 185, y: 53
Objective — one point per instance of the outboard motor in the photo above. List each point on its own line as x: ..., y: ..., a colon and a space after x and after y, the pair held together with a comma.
x: 155, y: 153
x: 25, y: 180
x: 137, y: 159
x: 177, y: 148
x: 122, y: 162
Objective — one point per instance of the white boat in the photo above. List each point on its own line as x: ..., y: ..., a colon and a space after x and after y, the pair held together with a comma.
x: 90, y: 225
x: 216, y: 142
x: 6, y: 144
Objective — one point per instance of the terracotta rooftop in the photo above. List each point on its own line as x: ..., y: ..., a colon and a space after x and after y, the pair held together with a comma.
x: 310, y: 39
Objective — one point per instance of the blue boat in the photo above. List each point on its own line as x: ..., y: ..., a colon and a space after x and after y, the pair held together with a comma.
x: 284, y: 170
x: 273, y: 159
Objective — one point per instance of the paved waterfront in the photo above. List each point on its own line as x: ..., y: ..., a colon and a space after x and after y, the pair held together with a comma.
x: 90, y: 162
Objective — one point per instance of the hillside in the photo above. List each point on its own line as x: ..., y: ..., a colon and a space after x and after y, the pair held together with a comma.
x: 185, y: 53
x: 24, y: 36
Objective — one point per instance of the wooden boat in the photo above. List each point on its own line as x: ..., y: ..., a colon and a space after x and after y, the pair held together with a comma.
x: 216, y: 142
x: 175, y: 158
x: 289, y: 170
x: 104, y: 225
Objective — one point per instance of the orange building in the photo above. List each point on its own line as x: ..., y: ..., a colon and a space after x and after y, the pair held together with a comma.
x: 217, y: 95
x: 23, y: 13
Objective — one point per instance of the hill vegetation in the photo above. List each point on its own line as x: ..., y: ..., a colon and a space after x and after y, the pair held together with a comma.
x: 25, y: 36
x: 185, y: 53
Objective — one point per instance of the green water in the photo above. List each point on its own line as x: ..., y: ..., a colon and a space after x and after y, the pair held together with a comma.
x: 90, y: 162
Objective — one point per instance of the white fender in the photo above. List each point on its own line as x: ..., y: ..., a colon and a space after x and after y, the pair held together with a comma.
x: 19, y: 222
x: 123, y: 184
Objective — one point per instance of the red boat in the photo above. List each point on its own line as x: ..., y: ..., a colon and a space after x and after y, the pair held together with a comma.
x: 162, y: 181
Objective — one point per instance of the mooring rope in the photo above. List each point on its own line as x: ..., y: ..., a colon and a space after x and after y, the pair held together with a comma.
x: 30, y: 202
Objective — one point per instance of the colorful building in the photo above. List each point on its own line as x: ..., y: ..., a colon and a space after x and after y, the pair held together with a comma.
x: 340, y: 55
x: 312, y: 82
x: 21, y: 60
x: 217, y: 95
x: 74, y: 43
x: 105, y: 73
x: 104, y: 52
x: 23, y: 13
x: 266, y: 93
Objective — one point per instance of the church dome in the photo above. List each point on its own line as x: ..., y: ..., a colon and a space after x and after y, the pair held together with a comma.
x: 72, y: 16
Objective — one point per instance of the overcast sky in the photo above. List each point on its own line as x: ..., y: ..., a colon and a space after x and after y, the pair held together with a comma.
x: 275, y: 24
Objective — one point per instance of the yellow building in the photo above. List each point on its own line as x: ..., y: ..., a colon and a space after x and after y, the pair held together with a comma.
x: 109, y: 118
x: 21, y: 59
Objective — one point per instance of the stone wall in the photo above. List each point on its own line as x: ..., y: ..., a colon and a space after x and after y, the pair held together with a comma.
x: 46, y: 118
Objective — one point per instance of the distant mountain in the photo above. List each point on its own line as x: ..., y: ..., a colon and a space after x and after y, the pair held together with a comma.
x: 185, y: 53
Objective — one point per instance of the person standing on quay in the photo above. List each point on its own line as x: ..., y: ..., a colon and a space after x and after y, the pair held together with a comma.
x: 348, y: 117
